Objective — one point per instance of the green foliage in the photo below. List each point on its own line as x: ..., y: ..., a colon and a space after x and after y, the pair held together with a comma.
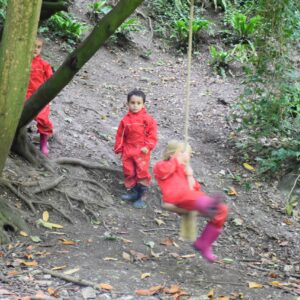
x: 66, y: 26
x: 291, y: 205
x: 220, y: 60
x: 181, y: 30
x: 269, y: 109
x: 244, y: 28
x: 98, y: 9
x: 120, y: 36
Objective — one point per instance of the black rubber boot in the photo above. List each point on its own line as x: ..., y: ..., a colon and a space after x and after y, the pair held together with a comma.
x: 140, y: 203
x: 132, y: 195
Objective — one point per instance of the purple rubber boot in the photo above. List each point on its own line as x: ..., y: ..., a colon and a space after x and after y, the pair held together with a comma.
x: 44, y: 144
x: 204, y: 243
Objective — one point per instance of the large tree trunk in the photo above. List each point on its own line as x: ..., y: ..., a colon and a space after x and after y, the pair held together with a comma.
x: 15, y: 59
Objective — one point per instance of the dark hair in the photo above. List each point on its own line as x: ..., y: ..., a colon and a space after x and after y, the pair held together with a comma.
x: 137, y: 93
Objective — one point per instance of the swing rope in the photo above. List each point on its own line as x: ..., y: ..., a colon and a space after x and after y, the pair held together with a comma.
x: 188, y: 225
x: 188, y: 80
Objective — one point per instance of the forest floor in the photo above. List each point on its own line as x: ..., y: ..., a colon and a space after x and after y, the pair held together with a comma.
x: 117, y: 249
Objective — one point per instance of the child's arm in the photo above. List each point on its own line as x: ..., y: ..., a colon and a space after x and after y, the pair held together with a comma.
x: 48, y: 70
x: 151, y: 134
x: 118, y: 148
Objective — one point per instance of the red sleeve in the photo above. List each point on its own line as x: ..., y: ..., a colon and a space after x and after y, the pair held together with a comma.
x: 48, y: 70
x: 197, y: 186
x: 118, y: 148
x: 151, y: 134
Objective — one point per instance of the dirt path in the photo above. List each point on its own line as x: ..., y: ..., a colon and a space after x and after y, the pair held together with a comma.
x: 137, y: 249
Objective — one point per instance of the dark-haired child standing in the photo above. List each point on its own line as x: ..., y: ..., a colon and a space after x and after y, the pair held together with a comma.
x: 135, y: 139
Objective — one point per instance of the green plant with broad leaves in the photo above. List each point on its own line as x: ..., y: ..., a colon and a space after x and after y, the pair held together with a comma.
x: 220, y: 60
x: 3, y: 5
x: 181, y: 30
x: 65, y: 25
x: 98, y: 9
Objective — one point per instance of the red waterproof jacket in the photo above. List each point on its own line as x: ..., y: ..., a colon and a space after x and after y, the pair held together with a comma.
x: 40, y: 72
x: 136, y: 130
x: 172, y: 180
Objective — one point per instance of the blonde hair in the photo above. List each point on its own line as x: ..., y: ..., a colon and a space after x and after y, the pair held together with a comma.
x: 174, y: 146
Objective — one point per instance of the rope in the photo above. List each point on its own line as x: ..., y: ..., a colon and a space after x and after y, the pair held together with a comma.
x: 188, y: 81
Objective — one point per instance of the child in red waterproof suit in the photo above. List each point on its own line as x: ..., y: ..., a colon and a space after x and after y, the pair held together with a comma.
x: 135, y: 139
x: 40, y: 72
x: 180, y: 189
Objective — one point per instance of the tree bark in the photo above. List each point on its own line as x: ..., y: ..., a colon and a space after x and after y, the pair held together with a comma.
x: 74, y: 62
x: 15, y: 60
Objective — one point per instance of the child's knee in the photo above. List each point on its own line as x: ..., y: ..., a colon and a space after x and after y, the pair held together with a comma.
x: 221, y: 215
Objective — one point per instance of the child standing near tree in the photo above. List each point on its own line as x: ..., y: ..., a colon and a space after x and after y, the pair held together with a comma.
x: 39, y: 73
x: 180, y: 189
x: 135, y: 139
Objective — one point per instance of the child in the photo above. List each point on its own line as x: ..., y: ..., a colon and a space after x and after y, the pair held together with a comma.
x: 40, y: 72
x: 136, y: 137
x: 179, y: 188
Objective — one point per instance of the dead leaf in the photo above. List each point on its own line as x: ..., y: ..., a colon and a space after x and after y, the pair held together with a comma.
x: 53, y: 292
x: 143, y: 292
x: 23, y: 233
x: 248, y: 167
x: 29, y: 263
x: 125, y: 241
x: 175, y: 255
x: 154, y: 289
x: 105, y: 286
x: 159, y: 222
x: 254, y: 285
x: 173, y: 289
x: 232, y: 191
x: 45, y: 216
x: 68, y: 242
x: 223, y: 298
x: 167, y: 242
x: 126, y: 256
x: 210, y: 294
x: 138, y: 255
x: 71, y: 271
x: 145, y: 275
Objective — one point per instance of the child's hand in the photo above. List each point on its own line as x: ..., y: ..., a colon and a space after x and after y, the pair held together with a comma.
x: 144, y: 150
x: 119, y: 155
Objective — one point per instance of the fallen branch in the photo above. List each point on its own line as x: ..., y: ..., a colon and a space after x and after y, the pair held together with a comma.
x: 72, y: 279
x: 156, y: 229
x: 85, y: 164
x: 49, y: 185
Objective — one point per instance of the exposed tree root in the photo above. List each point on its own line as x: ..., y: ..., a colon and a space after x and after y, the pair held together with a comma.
x: 101, y: 186
x: 86, y: 164
x: 8, y: 185
x: 23, y: 147
x: 45, y: 186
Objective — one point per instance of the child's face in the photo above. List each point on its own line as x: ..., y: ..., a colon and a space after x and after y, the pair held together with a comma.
x: 135, y: 104
x: 183, y: 155
x: 37, y: 48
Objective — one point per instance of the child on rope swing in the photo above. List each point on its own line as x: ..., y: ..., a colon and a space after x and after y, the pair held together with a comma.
x: 39, y: 73
x: 135, y: 139
x: 180, y: 189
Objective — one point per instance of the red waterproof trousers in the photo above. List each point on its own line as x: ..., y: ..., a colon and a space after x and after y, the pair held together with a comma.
x: 39, y: 73
x: 135, y: 131
x: 172, y: 180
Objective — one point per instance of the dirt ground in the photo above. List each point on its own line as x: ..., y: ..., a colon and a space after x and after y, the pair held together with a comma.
x: 132, y: 249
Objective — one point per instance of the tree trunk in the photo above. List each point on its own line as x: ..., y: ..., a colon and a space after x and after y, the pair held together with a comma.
x: 74, y: 62
x: 15, y: 60
x: 10, y: 222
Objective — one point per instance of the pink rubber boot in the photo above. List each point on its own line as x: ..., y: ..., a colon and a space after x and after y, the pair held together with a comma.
x: 44, y: 144
x: 204, y: 243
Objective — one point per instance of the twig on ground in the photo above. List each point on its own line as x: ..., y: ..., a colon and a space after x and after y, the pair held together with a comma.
x: 49, y: 185
x: 156, y: 229
x: 72, y: 279
x: 221, y: 282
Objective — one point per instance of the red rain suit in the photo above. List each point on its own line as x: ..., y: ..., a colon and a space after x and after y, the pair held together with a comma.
x: 39, y: 73
x: 135, y: 131
x: 172, y: 180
